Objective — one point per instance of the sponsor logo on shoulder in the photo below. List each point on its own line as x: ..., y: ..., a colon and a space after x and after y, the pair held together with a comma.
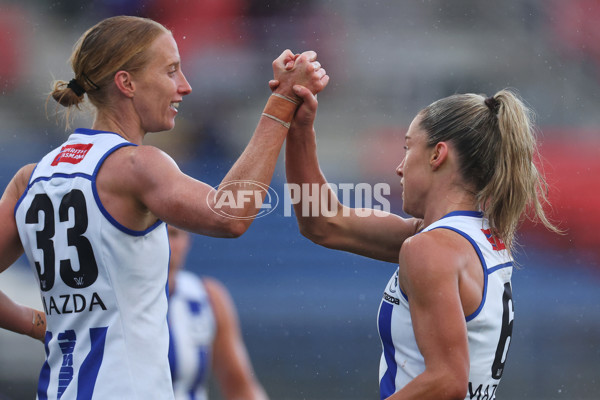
x: 72, y: 153
x: 496, y: 243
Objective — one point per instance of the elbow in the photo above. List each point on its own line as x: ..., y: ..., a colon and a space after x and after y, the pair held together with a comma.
x: 312, y: 235
x: 321, y: 234
x: 227, y: 228
x: 448, y: 383
x: 458, y: 392
x: 455, y: 386
x: 234, y: 228
x: 311, y: 229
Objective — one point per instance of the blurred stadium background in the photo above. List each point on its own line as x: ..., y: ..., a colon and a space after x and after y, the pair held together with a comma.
x: 308, y: 313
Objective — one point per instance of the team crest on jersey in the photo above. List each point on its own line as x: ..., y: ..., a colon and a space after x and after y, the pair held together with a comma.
x: 496, y: 243
x: 72, y: 153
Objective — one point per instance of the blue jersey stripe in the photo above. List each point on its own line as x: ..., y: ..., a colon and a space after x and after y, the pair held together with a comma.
x: 387, y: 385
x: 91, y: 365
x: 203, y: 358
x: 103, y: 210
x: 486, y: 272
x: 500, y: 266
x: 44, y: 380
x: 172, y: 353
x: 91, y: 132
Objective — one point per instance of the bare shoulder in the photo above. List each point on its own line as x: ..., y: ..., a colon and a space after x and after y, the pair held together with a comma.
x: 19, y: 182
x: 139, y: 160
x: 136, y: 170
x: 432, y: 255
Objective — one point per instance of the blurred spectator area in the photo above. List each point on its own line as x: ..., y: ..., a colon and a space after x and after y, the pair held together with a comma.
x: 576, y: 29
x: 386, y: 60
x: 14, y: 46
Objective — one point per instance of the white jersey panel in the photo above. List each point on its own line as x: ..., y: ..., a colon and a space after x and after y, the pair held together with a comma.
x: 488, y: 329
x: 103, y: 286
x: 193, y: 328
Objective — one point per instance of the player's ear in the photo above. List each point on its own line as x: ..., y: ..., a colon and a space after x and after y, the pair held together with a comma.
x: 438, y: 155
x: 125, y: 83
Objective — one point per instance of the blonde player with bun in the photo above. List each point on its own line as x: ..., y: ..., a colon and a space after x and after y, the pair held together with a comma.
x: 90, y: 216
x: 469, y: 177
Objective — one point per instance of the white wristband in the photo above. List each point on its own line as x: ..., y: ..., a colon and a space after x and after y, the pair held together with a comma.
x: 274, y: 118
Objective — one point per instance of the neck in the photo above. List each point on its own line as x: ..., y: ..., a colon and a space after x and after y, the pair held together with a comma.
x: 123, y: 126
x: 453, y: 200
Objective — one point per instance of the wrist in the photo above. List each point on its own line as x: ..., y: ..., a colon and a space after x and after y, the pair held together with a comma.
x: 280, y: 108
x: 288, y: 92
x: 38, y: 325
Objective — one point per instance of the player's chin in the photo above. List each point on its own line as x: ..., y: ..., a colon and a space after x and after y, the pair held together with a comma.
x: 167, y: 125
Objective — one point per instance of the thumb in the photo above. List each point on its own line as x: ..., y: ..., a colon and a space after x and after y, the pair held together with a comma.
x: 306, y: 95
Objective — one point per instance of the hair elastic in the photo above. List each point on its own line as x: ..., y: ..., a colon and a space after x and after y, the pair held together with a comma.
x: 76, y: 87
x: 492, y: 104
x: 90, y: 82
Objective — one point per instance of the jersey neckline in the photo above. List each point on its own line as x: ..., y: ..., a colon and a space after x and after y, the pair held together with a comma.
x: 465, y: 213
x: 91, y: 132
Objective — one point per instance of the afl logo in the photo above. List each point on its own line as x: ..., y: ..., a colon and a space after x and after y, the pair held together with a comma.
x: 234, y: 195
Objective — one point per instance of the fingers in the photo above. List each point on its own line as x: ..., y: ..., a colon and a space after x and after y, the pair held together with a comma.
x: 290, y: 60
x: 306, y: 95
x: 301, y: 69
x: 324, y: 82
x: 309, y: 55
x: 284, y: 60
x: 273, y: 84
x: 320, y: 72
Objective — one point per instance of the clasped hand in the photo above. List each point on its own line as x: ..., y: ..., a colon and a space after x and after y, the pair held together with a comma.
x: 303, y: 69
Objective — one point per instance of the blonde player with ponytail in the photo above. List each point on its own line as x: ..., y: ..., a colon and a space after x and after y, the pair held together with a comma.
x: 469, y: 177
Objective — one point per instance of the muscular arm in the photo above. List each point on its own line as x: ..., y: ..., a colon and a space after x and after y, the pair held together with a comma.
x: 10, y: 243
x: 21, y: 319
x: 231, y: 363
x: 377, y: 235
x: 430, y: 280
x: 15, y: 317
x: 150, y: 182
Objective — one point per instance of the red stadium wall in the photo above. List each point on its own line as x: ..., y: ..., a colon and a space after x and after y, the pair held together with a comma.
x: 572, y: 167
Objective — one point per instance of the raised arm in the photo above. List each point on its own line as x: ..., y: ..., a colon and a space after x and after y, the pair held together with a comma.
x: 150, y: 182
x: 231, y: 363
x: 376, y: 235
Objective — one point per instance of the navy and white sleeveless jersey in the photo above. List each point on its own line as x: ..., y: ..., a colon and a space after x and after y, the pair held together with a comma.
x: 103, y: 286
x: 489, y: 328
x: 193, y: 329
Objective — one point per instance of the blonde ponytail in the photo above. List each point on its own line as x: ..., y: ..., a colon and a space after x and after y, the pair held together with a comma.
x: 517, y: 187
x: 497, y: 150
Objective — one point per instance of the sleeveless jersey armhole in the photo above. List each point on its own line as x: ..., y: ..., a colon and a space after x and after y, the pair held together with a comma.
x: 101, y: 207
x: 483, y: 265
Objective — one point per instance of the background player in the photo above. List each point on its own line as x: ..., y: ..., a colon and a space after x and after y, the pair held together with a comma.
x: 205, y: 333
